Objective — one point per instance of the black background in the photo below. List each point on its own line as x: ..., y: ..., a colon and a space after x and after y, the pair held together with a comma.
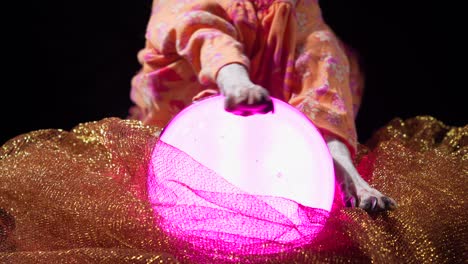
x: 68, y: 62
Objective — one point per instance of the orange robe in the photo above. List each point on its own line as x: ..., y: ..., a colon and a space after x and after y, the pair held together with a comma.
x: 286, y: 46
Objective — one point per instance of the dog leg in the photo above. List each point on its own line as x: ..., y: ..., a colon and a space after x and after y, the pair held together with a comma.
x: 356, y: 192
x: 245, y: 98
x: 242, y: 96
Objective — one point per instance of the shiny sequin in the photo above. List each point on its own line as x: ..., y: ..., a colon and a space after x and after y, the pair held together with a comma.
x: 80, y: 197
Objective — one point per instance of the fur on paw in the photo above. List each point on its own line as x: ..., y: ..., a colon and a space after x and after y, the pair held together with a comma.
x: 368, y: 198
x: 245, y: 100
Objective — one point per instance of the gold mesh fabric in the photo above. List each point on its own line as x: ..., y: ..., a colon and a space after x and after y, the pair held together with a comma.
x: 80, y: 196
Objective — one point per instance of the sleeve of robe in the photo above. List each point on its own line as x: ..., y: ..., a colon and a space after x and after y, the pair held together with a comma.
x: 200, y: 32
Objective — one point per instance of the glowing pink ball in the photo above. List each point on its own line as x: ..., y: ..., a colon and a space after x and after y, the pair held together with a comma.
x: 225, y: 185
x: 276, y: 154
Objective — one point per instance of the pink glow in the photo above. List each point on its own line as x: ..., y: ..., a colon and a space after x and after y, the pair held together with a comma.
x: 280, y: 154
x: 245, y: 181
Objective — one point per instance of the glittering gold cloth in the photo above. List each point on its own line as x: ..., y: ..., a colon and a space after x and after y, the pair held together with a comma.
x: 80, y: 197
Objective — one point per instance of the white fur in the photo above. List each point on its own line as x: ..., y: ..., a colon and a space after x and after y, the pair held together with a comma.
x: 356, y: 192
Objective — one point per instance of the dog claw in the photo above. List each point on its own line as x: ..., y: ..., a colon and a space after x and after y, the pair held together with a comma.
x: 389, y: 203
x: 369, y: 204
x: 351, y: 202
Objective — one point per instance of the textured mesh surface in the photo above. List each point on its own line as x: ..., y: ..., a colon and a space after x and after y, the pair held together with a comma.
x: 220, y: 220
x: 81, y: 196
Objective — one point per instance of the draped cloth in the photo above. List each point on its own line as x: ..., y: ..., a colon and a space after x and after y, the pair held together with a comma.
x: 286, y: 46
x: 80, y: 196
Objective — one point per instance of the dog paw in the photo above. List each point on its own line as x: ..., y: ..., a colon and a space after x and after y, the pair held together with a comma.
x: 355, y: 191
x: 247, y: 99
x: 242, y: 96
x: 368, y: 198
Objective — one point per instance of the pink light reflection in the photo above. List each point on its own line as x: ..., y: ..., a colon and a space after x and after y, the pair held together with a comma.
x: 236, y: 183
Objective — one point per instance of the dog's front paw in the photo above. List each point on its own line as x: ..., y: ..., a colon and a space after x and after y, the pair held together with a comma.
x: 355, y: 191
x: 242, y: 96
x: 367, y: 198
x: 247, y: 99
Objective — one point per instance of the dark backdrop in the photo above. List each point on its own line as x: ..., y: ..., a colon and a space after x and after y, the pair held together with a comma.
x: 72, y: 61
